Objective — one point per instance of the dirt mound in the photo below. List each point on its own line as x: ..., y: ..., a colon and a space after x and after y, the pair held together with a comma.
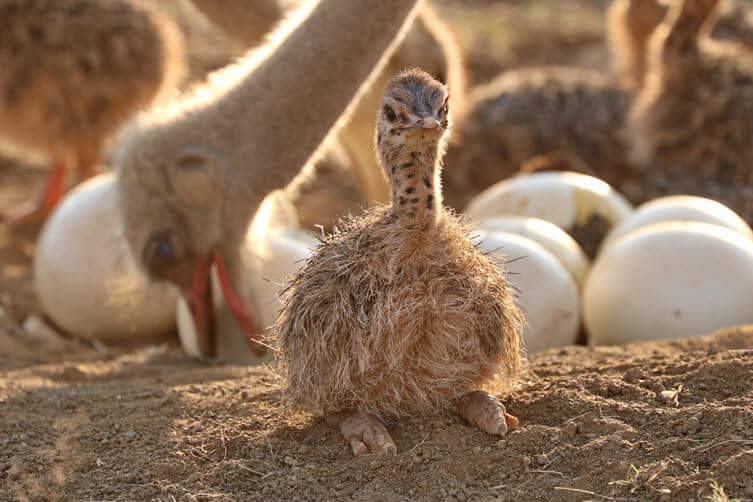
x: 653, y: 421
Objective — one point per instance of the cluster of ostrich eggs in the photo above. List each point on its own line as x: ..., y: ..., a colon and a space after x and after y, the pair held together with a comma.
x: 674, y: 267
x: 85, y: 277
x: 274, y: 249
x: 572, y: 201
x: 527, y: 220
x: 679, y: 266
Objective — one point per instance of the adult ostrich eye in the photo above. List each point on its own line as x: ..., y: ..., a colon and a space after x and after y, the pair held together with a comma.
x: 389, y: 113
x: 445, y: 108
x: 160, y: 252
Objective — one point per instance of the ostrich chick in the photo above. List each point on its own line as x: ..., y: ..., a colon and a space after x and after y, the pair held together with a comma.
x: 397, y: 312
x: 72, y: 72
x: 695, y: 106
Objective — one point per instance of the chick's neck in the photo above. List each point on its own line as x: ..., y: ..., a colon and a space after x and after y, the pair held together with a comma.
x: 414, y: 175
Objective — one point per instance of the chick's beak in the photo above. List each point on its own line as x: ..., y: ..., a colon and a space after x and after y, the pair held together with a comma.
x: 198, y: 295
x: 430, y: 124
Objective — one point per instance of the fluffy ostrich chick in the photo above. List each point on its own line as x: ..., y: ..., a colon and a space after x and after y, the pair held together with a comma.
x: 72, y: 71
x: 397, y: 312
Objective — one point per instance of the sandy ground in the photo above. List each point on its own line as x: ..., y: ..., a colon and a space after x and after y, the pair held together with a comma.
x: 654, y: 421
x: 594, y: 425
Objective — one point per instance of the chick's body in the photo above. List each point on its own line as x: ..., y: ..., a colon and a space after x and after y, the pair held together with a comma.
x: 397, y: 312
x: 392, y: 321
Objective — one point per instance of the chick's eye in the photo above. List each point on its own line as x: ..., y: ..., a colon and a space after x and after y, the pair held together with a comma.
x: 389, y: 113
x: 446, y: 108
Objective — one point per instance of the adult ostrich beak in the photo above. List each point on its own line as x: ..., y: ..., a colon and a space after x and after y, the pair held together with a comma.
x: 198, y: 295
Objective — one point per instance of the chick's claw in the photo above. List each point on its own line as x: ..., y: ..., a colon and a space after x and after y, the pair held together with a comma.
x: 365, y: 433
x: 486, y: 412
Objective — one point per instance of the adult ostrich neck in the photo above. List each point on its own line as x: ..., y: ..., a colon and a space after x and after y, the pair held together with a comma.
x: 297, y: 93
x: 257, y: 123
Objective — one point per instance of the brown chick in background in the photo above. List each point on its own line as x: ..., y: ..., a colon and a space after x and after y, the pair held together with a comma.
x: 630, y: 24
x: 551, y: 113
x: 72, y: 72
x: 695, y: 107
x: 397, y: 312
x: 537, y: 112
x: 528, y: 119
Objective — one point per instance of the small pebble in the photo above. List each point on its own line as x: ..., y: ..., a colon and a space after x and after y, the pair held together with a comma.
x: 614, y: 389
x: 670, y: 397
x: 611, y: 424
x: 633, y: 375
x: 656, y: 386
x: 542, y: 459
x: 16, y: 470
x: 477, y: 450
x: 527, y: 461
x: 290, y: 461
x: 691, y: 425
x: 571, y: 429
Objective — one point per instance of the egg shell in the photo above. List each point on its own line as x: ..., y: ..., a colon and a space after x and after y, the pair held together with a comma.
x: 551, y: 237
x: 546, y: 291
x: 669, y: 280
x: 85, y: 277
x: 566, y: 199
x: 679, y: 208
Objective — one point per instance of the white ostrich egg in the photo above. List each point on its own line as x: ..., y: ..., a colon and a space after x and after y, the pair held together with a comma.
x: 546, y: 292
x: 679, y: 208
x: 669, y: 280
x: 550, y: 236
x: 85, y: 277
x: 574, y: 202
